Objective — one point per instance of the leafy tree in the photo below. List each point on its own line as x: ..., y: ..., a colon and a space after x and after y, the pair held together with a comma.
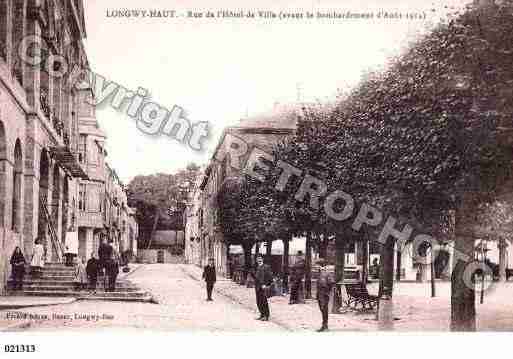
x: 160, y: 200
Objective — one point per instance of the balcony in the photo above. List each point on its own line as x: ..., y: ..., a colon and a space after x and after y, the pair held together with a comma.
x: 68, y: 160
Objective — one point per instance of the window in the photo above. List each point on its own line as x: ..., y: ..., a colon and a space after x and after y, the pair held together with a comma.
x: 100, y: 155
x: 82, y: 149
x: 16, y: 188
x: 82, y: 197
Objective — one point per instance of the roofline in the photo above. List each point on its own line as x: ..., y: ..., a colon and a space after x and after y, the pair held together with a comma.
x: 241, y: 129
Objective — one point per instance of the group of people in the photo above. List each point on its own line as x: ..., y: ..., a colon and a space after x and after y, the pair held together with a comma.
x: 263, y: 277
x: 106, y: 266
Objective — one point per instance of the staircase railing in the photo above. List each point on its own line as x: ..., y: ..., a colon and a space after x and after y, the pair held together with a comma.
x: 57, y: 245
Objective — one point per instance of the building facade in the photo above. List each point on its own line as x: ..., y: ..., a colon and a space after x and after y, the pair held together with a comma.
x: 203, y: 231
x: 39, y: 169
x: 43, y: 117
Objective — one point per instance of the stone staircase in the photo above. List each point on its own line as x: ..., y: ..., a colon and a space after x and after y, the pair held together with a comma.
x: 56, y: 280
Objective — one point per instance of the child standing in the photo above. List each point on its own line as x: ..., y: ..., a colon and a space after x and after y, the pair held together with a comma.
x: 80, y: 279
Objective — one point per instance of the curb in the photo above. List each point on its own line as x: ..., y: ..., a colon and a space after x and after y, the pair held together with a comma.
x: 150, y: 298
x: 132, y: 271
x: 20, y: 306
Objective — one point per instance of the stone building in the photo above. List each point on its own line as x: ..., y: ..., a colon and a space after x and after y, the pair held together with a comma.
x: 204, y: 235
x: 39, y: 115
x: 102, y: 200
x: 192, y: 214
x: 43, y: 114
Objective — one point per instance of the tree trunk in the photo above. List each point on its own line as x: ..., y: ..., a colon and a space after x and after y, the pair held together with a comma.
x: 365, y: 264
x: 463, y: 308
x: 268, y: 249
x: 502, y: 259
x: 257, y: 252
x: 285, y: 269
x: 387, y: 269
x: 247, y: 260
x: 340, y: 260
x: 228, y: 263
x: 432, y: 266
x: 398, y: 267
x: 308, y: 266
x: 323, y: 246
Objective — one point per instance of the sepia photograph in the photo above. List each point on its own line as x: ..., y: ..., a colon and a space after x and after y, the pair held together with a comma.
x: 325, y: 169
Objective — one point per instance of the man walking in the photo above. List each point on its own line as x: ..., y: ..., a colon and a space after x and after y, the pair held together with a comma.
x: 263, y: 279
x: 324, y: 285
x: 296, y: 279
x: 112, y: 271
x: 209, y: 275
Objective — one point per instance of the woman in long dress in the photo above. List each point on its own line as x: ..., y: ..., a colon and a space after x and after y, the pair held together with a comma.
x: 18, y: 268
x: 38, y: 258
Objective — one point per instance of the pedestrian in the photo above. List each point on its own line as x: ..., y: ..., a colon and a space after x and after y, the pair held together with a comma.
x: 112, y: 271
x: 375, y: 268
x: 209, y: 275
x: 38, y: 258
x: 324, y: 286
x: 17, y: 268
x: 69, y: 257
x: 105, y: 254
x: 263, y: 278
x: 296, y: 279
x: 230, y: 264
x: 92, y: 268
x: 80, y: 278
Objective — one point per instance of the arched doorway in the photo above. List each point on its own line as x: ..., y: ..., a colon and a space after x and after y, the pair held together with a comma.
x: 16, y: 188
x: 44, y: 174
x: 3, y: 162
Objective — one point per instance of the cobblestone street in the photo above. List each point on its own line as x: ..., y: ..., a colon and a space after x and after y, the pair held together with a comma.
x: 181, y: 307
x: 180, y: 294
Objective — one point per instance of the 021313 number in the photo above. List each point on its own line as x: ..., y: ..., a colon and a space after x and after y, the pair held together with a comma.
x: 19, y: 348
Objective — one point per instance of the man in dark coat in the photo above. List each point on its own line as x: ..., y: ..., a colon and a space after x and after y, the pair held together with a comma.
x: 209, y: 275
x: 296, y: 279
x: 324, y: 285
x: 263, y: 277
x: 104, y: 254
x: 92, y: 268
x: 112, y: 271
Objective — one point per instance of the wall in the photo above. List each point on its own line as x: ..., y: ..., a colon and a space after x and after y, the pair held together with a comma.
x: 151, y: 256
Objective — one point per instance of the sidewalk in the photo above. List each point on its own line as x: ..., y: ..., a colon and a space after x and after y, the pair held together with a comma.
x: 16, y: 302
x: 413, y: 308
x: 298, y: 317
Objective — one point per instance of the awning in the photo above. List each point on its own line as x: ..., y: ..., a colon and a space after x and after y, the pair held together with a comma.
x: 67, y: 160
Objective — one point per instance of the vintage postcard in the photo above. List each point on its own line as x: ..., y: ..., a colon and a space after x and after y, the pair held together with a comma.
x: 304, y: 166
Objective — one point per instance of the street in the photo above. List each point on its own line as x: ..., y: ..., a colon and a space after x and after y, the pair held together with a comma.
x: 182, y: 307
x: 180, y: 294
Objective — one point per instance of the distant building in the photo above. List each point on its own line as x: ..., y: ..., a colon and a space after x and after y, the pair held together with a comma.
x: 166, y: 246
x: 204, y: 234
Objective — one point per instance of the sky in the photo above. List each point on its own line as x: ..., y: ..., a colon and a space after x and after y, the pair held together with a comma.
x: 221, y: 70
